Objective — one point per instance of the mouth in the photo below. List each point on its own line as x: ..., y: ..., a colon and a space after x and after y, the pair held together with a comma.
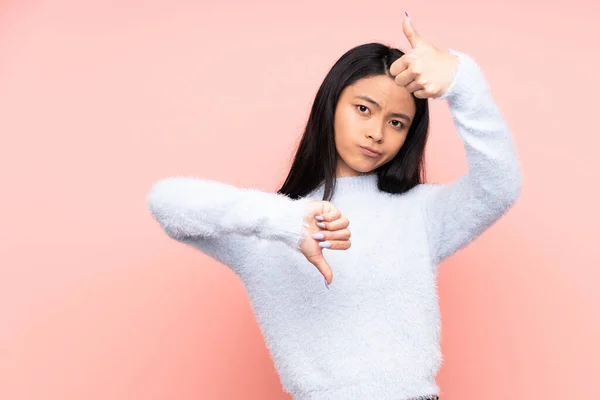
x: 370, y: 152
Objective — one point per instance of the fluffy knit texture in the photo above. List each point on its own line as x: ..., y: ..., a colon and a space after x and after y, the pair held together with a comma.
x: 375, y: 333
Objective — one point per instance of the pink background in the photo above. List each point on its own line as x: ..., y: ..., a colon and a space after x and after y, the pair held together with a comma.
x: 97, y: 101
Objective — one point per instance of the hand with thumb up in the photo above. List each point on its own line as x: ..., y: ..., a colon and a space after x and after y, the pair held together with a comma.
x: 424, y: 70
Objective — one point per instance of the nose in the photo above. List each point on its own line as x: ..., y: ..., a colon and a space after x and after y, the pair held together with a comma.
x: 375, y: 133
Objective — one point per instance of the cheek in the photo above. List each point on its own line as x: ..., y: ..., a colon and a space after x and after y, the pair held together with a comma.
x: 343, y: 128
x: 395, y: 146
x: 401, y: 141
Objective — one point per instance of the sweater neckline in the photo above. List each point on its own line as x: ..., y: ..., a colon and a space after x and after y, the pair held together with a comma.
x: 360, y: 183
x: 345, y: 185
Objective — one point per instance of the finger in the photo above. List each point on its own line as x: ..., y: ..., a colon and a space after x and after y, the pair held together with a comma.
x: 323, y: 267
x: 342, y: 234
x: 416, y: 85
x: 405, y: 78
x: 411, y: 34
x: 421, y: 94
x: 331, y: 214
x: 402, y: 64
x: 336, y: 244
x: 340, y: 223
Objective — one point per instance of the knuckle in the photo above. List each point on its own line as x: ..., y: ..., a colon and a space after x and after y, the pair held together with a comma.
x: 332, y: 216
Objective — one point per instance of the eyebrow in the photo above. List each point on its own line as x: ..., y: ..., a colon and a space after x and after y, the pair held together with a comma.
x: 370, y: 100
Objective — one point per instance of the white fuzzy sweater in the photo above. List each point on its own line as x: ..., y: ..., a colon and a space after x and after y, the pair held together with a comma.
x: 375, y: 334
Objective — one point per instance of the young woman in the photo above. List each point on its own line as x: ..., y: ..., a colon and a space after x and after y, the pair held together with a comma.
x: 374, y: 333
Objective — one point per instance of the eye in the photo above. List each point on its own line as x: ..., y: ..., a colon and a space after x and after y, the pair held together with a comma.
x: 361, y: 107
x: 400, y: 124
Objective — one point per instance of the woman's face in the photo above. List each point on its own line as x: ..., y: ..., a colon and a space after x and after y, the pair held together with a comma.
x: 372, y: 118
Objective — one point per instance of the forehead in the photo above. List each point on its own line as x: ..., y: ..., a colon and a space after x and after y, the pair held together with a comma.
x: 382, y: 89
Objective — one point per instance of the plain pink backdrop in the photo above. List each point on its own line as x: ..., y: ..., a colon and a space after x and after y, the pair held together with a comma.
x: 98, y: 100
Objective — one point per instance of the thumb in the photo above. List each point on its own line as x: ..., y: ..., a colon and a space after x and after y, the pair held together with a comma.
x: 323, y: 267
x: 411, y: 34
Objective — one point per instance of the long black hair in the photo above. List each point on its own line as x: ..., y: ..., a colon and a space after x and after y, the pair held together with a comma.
x: 316, y: 158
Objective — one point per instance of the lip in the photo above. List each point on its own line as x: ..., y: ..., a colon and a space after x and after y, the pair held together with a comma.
x: 370, y: 152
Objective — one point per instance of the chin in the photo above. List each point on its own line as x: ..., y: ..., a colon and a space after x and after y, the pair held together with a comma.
x: 363, y: 169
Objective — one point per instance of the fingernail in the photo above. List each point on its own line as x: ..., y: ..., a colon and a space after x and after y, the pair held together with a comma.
x: 319, y: 218
x: 325, y: 244
x: 318, y: 236
x: 321, y: 225
x: 326, y: 284
x: 406, y: 13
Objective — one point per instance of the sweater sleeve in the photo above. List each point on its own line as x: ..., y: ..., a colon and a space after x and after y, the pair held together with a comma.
x: 211, y: 213
x: 458, y: 212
